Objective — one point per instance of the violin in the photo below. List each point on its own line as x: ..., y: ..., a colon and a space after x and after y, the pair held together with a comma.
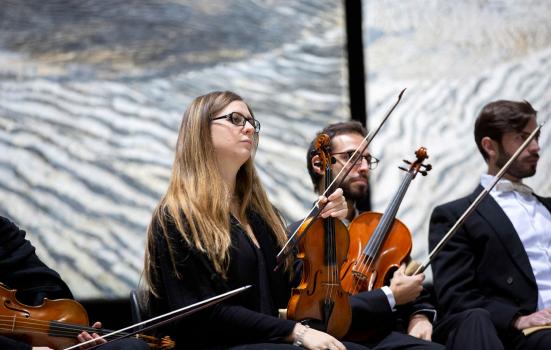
x: 54, y: 324
x: 380, y: 242
x: 319, y: 300
x: 295, y: 237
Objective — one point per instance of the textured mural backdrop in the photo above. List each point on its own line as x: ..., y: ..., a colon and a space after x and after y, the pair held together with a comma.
x: 454, y: 57
x: 91, y: 96
x: 92, y: 92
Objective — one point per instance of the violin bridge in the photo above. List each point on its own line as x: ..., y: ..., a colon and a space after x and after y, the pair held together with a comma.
x: 372, y: 280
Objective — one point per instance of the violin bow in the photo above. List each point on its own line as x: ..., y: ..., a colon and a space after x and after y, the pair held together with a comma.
x: 475, y: 203
x: 291, y: 243
x: 180, y: 313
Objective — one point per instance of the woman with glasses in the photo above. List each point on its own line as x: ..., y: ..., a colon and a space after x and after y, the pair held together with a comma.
x: 215, y: 230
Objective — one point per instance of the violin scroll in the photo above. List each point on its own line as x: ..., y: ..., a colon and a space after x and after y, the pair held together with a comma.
x: 322, y: 148
x: 417, y: 166
x: 163, y: 343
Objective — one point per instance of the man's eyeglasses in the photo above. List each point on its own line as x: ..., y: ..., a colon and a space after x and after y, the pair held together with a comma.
x: 240, y: 120
x: 372, y: 162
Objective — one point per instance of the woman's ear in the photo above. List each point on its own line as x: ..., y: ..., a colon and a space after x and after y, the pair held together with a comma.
x: 316, y: 164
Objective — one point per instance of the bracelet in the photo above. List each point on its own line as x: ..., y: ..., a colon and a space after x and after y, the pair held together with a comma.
x: 300, y: 335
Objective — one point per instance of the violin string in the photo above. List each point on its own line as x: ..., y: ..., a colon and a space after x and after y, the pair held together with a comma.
x: 56, y: 328
x: 335, y: 269
x: 329, y: 232
x: 47, y: 324
x: 333, y: 262
x: 328, y: 261
x: 367, y: 259
x: 67, y: 331
x: 373, y: 246
x: 388, y: 220
x: 37, y: 330
x: 366, y: 262
x: 30, y: 330
x: 359, y: 280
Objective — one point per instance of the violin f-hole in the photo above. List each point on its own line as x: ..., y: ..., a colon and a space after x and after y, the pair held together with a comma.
x: 8, y: 305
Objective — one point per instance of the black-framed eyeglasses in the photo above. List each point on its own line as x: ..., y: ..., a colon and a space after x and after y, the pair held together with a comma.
x: 238, y: 119
x: 372, y: 162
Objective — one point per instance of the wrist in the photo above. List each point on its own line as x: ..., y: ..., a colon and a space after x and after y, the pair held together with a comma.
x: 390, y: 296
x: 517, y: 321
x: 418, y: 317
x: 298, y: 334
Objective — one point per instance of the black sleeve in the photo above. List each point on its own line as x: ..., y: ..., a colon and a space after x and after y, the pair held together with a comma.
x: 455, y: 271
x: 7, y: 343
x: 371, y: 312
x: 368, y: 306
x: 21, y: 269
x: 422, y: 305
x: 199, y: 281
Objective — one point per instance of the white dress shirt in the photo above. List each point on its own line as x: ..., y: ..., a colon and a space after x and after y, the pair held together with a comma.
x: 532, y: 221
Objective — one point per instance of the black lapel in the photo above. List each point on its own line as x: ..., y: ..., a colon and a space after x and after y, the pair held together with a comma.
x: 546, y: 201
x: 505, y: 231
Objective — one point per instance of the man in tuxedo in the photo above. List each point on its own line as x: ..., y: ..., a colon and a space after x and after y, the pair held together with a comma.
x: 22, y: 270
x: 376, y: 311
x: 493, y: 278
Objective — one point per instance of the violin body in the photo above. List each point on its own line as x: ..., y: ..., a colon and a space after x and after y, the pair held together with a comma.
x: 25, y: 322
x: 319, y: 300
x: 380, y: 242
x: 364, y: 271
x: 54, y: 324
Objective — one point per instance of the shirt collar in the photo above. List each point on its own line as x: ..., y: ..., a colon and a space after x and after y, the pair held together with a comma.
x: 506, y: 185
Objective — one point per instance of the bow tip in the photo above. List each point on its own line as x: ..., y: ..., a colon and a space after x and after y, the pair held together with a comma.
x: 401, y: 93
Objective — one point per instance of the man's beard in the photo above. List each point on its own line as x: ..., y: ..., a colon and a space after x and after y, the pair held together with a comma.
x: 515, y: 169
x: 353, y: 194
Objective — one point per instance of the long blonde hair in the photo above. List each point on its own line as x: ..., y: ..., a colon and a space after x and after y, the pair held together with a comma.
x: 197, y: 202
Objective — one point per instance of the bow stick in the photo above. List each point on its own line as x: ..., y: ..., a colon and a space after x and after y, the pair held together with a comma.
x: 475, y: 203
x: 182, y: 312
x: 291, y: 243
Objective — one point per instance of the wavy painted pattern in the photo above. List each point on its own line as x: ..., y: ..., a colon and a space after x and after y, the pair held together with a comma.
x: 89, y: 117
x: 453, y: 58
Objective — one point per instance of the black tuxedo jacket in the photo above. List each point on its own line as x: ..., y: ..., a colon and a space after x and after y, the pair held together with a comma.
x: 484, y: 265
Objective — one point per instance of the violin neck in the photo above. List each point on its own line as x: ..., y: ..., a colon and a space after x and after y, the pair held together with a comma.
x: 330, y: 238
x: 385, y: 224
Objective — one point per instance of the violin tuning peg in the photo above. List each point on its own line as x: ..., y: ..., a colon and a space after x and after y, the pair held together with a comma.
x: 423, y: 172
x: 428, y: 167
x: 407, y: 162
x: 402, y: 168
